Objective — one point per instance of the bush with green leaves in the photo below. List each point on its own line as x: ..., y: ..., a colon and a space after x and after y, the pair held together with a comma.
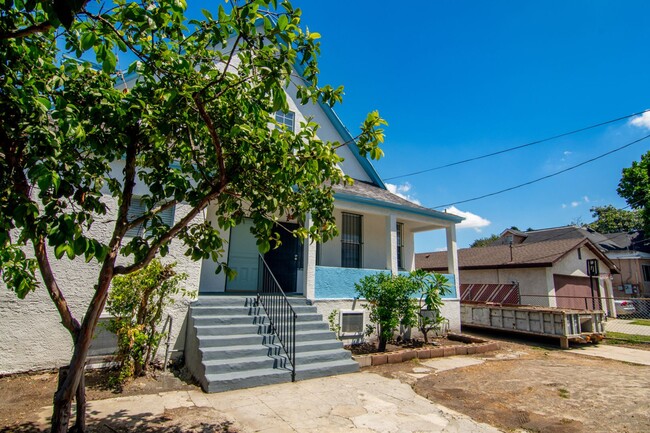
x: 433, y: 287
x: 390, y: 302
x: 396, y: 300
x: 137, y: 302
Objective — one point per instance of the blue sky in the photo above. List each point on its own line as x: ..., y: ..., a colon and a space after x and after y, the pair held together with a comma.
x: 459, y: 79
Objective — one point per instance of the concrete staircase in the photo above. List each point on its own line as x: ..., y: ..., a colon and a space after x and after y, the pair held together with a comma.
x: 229, y: 345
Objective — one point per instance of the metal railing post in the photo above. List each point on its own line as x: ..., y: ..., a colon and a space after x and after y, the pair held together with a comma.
x: 279, y: 311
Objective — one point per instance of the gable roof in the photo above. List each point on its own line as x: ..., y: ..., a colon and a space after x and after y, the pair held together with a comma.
x: 367, y: 193
x: 531, y: 255
x: 604, y: 242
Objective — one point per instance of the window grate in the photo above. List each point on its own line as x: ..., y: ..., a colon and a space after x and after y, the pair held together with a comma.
x: 400, y: 246
x: 351, y: 241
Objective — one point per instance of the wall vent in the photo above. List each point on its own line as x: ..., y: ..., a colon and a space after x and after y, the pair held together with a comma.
x: 351, y: 322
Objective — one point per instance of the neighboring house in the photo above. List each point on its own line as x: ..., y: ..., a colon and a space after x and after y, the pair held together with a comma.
x: 552, y: 273
x: 376, y: 235
x: 630, y: 252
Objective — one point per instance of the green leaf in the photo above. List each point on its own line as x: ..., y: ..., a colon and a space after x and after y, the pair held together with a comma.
x: 109, y: 62
x: 283, y: 21
x: 88, y: 40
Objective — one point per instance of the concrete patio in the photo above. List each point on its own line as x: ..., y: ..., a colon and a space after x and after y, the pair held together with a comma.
x: 365, y: 402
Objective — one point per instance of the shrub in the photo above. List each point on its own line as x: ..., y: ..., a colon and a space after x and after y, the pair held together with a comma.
x: 137, y: 302
x: 392, y: 300
x: 433, y: 287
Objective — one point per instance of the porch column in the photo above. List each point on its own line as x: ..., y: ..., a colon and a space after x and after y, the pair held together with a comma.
x: 309, y: 263
x: 452, y: 256
x: 391, y: 243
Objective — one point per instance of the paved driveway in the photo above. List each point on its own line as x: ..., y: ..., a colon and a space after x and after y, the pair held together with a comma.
x: 626, y: 327
x: 365, y: 402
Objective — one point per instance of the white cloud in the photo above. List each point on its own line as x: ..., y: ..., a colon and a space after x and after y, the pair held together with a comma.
x: 472, y: 221
x: 576, y: 203
x: 402, y: 191
x: 642, y: 121
x: 567, y: 153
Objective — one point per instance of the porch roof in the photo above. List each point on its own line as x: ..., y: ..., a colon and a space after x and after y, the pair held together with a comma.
x: 367, y: 193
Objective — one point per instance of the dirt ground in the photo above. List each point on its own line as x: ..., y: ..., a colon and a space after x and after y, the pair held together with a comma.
x: 539, y: 388
x: 533, y: 387
x: 23, y: 396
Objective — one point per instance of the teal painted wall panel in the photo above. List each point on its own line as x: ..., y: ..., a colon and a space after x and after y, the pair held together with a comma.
x: 338, y: 283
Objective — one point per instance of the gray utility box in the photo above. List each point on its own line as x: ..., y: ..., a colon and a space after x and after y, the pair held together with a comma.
x: 583, y: 326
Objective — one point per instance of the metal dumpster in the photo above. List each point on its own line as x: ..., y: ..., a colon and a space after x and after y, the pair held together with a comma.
x: 568, y: 325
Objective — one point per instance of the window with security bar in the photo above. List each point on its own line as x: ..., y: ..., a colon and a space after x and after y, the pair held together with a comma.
x: 351, y: 241
x: 137, y: 209
x: 400, y: 246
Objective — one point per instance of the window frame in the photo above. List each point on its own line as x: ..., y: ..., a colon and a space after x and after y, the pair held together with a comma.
x: 137, y: 209
x: 287, y: 119
x: 349, y: 245
x: 645, y: 269
x: 400, y: 246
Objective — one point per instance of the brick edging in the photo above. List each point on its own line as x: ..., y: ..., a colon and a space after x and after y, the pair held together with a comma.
x: 474, y: 345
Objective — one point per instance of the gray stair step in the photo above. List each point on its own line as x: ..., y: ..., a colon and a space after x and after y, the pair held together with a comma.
x: 246, y: 379
x: 322, y: 369
x: 198, y: 311
x: 231, y: 340
x: 233, y: 352
x: 238, y: 329
x: 224, y: 330
x: 318, y: 356
x: 223, y: 301
x: 243, y: 319
x: 245, y: 364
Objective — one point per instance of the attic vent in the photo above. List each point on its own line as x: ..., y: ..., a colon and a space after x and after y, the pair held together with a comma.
x: 351, y: 322
x: 510, y: 239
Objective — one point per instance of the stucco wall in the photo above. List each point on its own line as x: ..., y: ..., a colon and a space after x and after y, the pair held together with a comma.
x: 450, y: 310
x: 338, y: 283
x: 532, y: 281
x: 30, y: 329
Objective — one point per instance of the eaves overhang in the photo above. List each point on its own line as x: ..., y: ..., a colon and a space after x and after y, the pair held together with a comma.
x: 386, y: 205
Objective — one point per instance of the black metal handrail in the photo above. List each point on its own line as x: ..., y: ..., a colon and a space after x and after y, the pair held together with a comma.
x: 281, y: 314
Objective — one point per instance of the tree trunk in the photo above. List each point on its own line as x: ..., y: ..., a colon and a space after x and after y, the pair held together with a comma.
x: 382, y: 344
x: 80, y: 422
x: 62, y: 405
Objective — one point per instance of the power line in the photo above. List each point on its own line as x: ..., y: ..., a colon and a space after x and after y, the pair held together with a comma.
x: 564, y: 134
x: 545, y: 177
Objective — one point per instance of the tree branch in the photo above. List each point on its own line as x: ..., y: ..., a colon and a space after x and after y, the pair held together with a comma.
x: 27, y: 31
x: 68, y: 321
x: 216, y: 141
x: 149, y: 214
x: 151, y: 254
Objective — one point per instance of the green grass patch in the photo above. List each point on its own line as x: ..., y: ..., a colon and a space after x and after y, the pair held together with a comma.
x: 644, y: 322
x: 619, y: 338
x: 563, y: 393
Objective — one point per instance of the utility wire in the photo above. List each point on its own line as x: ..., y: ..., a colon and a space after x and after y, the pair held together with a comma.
x: 545, y: 177
x: 564, y: 134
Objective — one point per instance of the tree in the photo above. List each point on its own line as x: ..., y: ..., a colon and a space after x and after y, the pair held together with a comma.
x: 194, y: 129
x: 484, y: 242
x: 634, y: 187
x: 612, y: 220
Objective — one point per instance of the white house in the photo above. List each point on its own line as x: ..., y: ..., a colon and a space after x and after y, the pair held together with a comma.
x: 377, y: 231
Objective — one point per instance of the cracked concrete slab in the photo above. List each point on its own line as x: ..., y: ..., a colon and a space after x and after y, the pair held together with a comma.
x: 365, y: 402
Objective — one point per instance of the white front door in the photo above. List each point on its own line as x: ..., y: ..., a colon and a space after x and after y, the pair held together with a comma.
x: 243, y: 258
